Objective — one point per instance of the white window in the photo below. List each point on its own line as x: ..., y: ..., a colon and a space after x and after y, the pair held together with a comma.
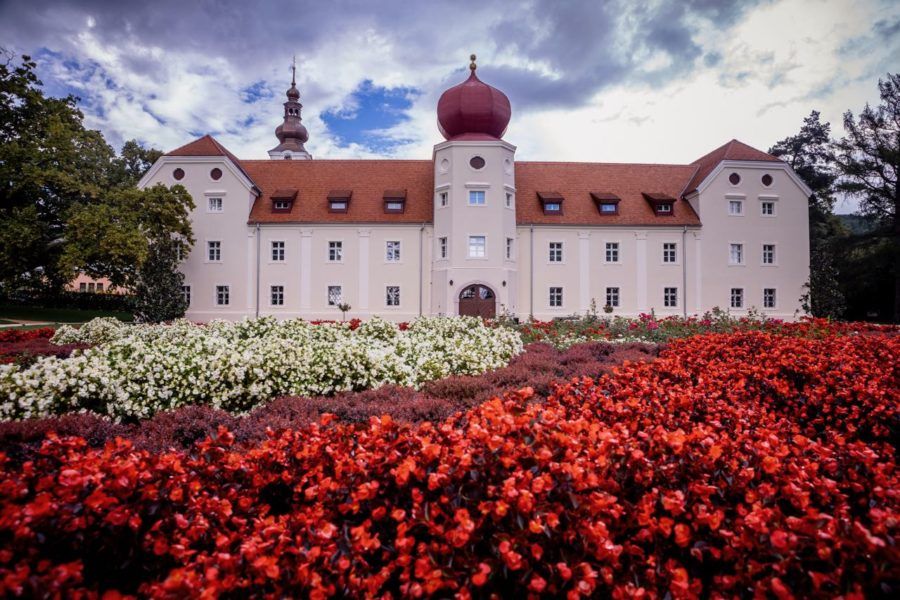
x: 214, y: 251
x: 735, y: 207
x: 612, y: 252
x: 609, y: 208
x: 82, y: 287
x: 736, y: 254
x: 278, y: 251
x: 612, y: 297
x: 335, y: 251
x: 334, y: 295
x: 737, y: 297
x: 670, y: 252
x: 276, y: 295
x: 392, y: 253
x: 214, y: 204
x: 768, y: 297
x: 476, y: 246
x: 509, y: 200
x: 392, y: 295
x: 556, y: 297
x: 767, y: 208
x: 442, y: 247
x: 509, y: 248
x: 443, y: 198
x: 476, y: 197
x: 556, y: 255
x: 186, y: 294
x: 337, y: 205
x: 552, y: 207
x: 223, y: 295
x: 670, y: 297
x: 768, y: 254
x: 91, y: 287
x: 281, y: 204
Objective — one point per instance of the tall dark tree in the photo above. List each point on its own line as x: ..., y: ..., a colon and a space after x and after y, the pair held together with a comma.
x: 158, y: 288
x: 868, y: 159
x: 809, y: 154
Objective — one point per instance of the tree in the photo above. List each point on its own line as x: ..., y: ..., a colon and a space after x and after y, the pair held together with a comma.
x: 67, y: 202
x: 868, y: 159
x: 158, y: 285
x: 809, y: 154
x: 112, y: 238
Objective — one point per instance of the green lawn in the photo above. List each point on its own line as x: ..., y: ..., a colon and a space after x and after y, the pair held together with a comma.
x: 9, y: 314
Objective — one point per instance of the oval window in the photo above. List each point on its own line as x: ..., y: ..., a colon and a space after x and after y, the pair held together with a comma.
x: 476, y: 162
x: 734, y: 178
x: 178, y: 174
x: 216, y: 174
x: 767, y: 180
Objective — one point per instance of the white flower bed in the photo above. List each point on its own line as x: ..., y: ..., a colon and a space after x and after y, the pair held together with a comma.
x: 138, y: 370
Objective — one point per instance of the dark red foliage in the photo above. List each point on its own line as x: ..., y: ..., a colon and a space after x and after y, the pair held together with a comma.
x: 741, y: 465
x: 19, y: 335
x: 540, y: 366
x: 25, y: 351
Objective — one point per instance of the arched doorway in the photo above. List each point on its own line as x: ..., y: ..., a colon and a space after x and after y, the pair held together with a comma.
x: 478, y: 301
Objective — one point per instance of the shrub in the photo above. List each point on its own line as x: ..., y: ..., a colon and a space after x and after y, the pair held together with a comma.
x: 700, y: 474
x: 135, y: 371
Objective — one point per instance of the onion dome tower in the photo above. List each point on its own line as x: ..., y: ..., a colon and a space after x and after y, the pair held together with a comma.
x: 291, y: 133
x: 473, y: 110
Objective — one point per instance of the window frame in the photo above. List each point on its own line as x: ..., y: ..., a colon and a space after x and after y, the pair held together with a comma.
x: 555, y: 253
x: 509, y: 248
x: 774, y: 298
x: 218, y: 289
x: 774, y: 255
x: 763, y: 204
x: 335, y: 250
x: 732, y: 202
x: 387, y: 251
x: 475, y: 193
x: 209, y: 249
x: 272, y: 293
x: 673, y: 291
x: 617, y: 249
x: 555, y: 291
x: 742, y: 258
x: 272, y: 251
x: 387, y: 296
x: 674, y: 253
x: 740, y: 296
x: 186, y: 294
x: 340, y: 296
x: 484, y: 253
x: 209, y: 204
x: 443, y: 248
x: 613, y: 293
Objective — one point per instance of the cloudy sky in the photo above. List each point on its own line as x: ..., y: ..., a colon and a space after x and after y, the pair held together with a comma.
x: 626, y: 81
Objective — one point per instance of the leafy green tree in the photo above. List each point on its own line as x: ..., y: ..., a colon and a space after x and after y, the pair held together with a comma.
x: 157, y: 289
x: 67, y: 202
x: 809, y: 154
x: 868, y: 159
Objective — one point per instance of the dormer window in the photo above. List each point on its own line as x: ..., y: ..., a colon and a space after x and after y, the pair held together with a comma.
x: 283, y: 200
x: 339, y: 200
x: 551, y: 202
x: 394, y: 201
x: 663, y: 204
x: 607, y: 203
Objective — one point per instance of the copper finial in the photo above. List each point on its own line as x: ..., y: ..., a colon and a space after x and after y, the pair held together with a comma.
x: 472, y: 64
x: 294, y: 71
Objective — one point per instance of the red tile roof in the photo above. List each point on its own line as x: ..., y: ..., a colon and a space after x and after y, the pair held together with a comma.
x: 369, y: 180
x: 733, y: 150
x: 576, y: 181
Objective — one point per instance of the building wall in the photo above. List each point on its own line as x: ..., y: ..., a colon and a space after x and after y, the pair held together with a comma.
x: 585, y: 274
x: 455, y: 176
x: 788, y: 230
x: 235, y: 269
x: 429, y: 284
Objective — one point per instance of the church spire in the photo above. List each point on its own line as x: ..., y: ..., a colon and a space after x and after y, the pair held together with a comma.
x: 291, y: 133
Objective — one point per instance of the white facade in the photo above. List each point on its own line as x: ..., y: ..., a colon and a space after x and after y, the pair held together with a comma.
x: 418, y: 238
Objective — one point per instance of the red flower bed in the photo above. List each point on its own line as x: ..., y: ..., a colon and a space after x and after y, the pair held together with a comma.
x: 21, y: 335
x: 26, y: 351
x: 734, y: 465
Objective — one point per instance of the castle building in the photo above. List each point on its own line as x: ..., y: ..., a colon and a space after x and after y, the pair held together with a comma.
x: 473, y: 231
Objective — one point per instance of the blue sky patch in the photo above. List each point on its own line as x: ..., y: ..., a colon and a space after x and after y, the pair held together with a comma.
x: 371, y: 110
